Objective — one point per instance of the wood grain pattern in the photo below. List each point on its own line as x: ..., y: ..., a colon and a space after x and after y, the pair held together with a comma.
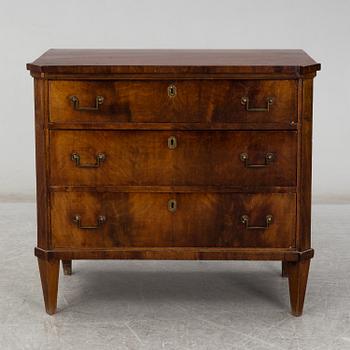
x: 305, y: 168
x: 141, y: 158
x: 42, y: 162
x: 285, y: 126
x: 201, y: 220
x: 176, y: 253
x: 85, y: 61
x: 49, y: 274
x: 297, y: 275
x: 176, y: 188
x: 204, y: 173
x: 195, y: 101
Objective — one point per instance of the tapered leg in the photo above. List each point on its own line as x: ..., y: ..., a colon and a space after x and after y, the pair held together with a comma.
x: 49, y: 271
x: 284, y: 269
x: 297, y: 275
x: 67, y: 267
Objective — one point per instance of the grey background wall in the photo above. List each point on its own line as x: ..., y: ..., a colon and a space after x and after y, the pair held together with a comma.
x: 320, y: 27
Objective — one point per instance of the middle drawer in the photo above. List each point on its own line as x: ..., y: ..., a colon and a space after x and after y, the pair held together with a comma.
x: 164, y: 158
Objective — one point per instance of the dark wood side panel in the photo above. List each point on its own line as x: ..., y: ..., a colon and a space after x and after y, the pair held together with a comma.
x: 42, y: 161
x: 304, y: 223
x: 200, y: 220
x: 217, y: 101
x: 200, y: 158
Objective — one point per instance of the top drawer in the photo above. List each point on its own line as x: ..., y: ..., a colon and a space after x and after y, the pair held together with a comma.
x: 179, y: 101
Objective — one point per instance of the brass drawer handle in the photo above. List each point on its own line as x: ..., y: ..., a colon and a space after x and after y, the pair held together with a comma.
x: 100, y: 158
x: 172, y: 205
x: 100, y: 221
x: 245, y: 221
x: 269, y: 158
x: 76, y: 105
x: 172, y: 90
x: 245, y: 101
x: 172, y: 142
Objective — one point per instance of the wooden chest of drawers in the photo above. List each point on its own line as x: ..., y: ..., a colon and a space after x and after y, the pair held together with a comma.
x: 178, y: 154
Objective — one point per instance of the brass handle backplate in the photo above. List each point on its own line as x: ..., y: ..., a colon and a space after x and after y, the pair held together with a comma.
x: 245, y: 101
x: 172, y: 90
x: 172, y: 205
x: 100, y: 221
x: 100, y: 157
x: 172, y: 142
x: 269, y: 158
x: 76, y: 105
x: 245, y: 221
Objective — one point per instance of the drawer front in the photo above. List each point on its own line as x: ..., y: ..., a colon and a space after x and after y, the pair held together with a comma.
x: 103, y: 220
x: 159, y: 158
x: 186, y: 101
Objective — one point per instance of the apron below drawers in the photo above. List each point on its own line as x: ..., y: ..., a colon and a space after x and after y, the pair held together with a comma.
x: 122, y: 219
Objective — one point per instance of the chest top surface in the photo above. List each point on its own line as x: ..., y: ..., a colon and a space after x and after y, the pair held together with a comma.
x: 102, y: 61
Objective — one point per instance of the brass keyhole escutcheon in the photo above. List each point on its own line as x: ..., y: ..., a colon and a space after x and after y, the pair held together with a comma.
x: 172, y: 142
x: 172, y: 205
x: 171, y: 90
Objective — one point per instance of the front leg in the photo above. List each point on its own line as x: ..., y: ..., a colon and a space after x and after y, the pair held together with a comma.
x: 297, y: 275
x: 49, y: 272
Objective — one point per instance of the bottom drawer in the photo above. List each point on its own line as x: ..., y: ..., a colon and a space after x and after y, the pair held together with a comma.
x: 124, y: 219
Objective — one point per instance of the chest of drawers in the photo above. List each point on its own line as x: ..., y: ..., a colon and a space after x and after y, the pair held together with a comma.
x: 174, y: 154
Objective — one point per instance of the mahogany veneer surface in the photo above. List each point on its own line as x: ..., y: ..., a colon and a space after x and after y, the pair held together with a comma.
x: 174, y: 154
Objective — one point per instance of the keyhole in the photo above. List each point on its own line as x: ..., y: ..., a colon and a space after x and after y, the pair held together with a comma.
x: 172, y: 142
x: 172, y: 90
x: 172, y: 205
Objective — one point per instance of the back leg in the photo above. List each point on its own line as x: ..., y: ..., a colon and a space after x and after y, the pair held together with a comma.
x: 67, y: 267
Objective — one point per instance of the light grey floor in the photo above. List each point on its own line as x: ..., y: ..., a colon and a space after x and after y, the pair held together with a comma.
x: 174, y: 305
